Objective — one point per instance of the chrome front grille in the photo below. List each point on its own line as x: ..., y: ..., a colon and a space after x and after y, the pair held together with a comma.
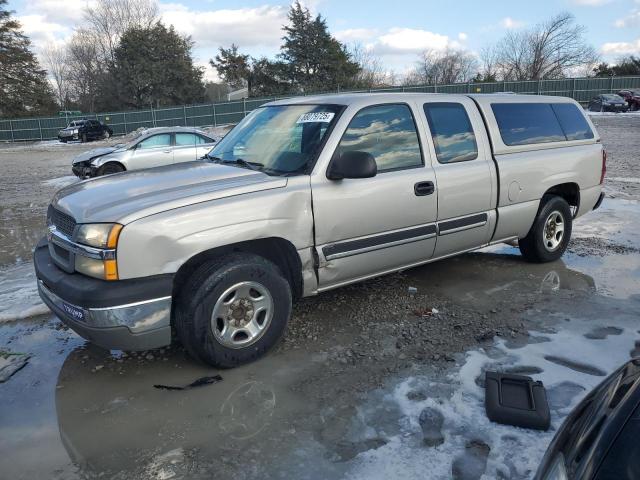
x: 64, y: 223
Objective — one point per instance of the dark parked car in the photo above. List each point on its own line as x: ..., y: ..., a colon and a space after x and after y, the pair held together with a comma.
x: 608, y: 102
x: 599, y: 438
x: 85, y: 130
x: 632, y: 97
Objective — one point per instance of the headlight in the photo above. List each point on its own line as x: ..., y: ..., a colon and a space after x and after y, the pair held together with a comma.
x: 103, y: 236
x: 99, y: 235
x: 75, y: 130
x: 558, y: 471
x: 91, y: 267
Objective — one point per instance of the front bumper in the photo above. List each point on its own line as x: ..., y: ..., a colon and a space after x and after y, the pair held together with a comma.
x: 615, y: 108
x: 121, y: 315
x: 83, y: 170
x: 68, y: 136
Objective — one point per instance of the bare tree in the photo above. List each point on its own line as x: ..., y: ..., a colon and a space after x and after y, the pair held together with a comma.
x: 56, y: 61
x: 548, y: 50
x: 107, y: 20
x: 85, y: 69
x: 372, y: 72
x: 489, y: 64
x: 443, y: 67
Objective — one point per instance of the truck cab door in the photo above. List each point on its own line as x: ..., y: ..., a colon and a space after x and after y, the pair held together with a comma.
x: 369, y: 226
x: 465, y: 173
x: 153, y: 151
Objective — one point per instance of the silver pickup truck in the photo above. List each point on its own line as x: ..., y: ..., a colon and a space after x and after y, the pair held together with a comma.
x: 305, y: 195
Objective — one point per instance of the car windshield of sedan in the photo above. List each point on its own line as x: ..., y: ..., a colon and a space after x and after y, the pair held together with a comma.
x: 612, y: 97
x: 279, y: 140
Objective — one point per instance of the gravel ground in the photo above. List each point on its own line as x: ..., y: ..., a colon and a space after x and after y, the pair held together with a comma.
x: 79, y: 412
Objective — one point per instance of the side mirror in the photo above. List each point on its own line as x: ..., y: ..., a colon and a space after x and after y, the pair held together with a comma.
x: 353, y: 164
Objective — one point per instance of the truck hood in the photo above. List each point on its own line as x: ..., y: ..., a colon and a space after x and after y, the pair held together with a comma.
x: 96, y: 152
x: 125, y: 197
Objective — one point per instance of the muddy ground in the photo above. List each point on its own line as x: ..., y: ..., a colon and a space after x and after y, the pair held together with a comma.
x: 342, y: 395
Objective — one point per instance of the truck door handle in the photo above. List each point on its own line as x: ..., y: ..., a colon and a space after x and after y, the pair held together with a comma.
x: 423, y: 188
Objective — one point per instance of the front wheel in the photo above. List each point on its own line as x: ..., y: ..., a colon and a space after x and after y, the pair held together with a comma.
x: 233, y: 310
x: 550, y: 233
x: 109, y: 169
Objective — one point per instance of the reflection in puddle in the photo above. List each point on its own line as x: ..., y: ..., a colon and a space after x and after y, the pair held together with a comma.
x: 247, y: 410
x: 113, y: 420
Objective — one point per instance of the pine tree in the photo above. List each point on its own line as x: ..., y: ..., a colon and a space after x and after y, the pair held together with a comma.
x: 233, y: 67
x: 153, y: 66
x: 24, y: 88
x: 315, y: 60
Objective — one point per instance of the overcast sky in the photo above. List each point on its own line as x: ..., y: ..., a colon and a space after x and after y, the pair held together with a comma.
x: 396, y: 30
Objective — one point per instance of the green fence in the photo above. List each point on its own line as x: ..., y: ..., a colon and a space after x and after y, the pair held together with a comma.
x: 213, y: 114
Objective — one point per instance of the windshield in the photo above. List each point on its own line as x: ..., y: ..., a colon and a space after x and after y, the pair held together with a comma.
x: 132, y: 140
x: 279, y: 140
x: 76, y: 123
x: 610, y: 96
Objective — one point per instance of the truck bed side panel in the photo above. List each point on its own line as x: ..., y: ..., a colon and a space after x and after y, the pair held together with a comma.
x: 526, y: 176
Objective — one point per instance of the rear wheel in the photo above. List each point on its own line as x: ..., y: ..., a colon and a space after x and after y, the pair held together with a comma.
x: 110, y: 168
x: 233, y: 310
x: 550, y: 233
x: 106, y: 135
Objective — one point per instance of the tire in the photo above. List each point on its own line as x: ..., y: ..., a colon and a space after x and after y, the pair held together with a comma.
x: 110, y: 168
x: 106, y: 135
x: 83, y: 139
x: 227, y: 288
x: 544, y: 242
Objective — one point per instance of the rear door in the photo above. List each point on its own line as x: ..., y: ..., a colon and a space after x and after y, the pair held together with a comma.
x: 153, y: 151
x: 190, y: 146
x: 203, y: 145
x: 464, y: 172
x: 185, y: 147
x: 368, y: 226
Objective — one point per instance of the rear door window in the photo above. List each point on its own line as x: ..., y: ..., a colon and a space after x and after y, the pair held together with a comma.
x: 186, y: 139
x: 452, y: 133
x: 572, y: 121
x: 388, y: 132
x: 527, y: 123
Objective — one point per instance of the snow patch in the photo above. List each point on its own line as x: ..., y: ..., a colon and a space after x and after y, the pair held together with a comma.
x: 624, y: 179
x: 514, y: 452
x: 19, y: 297
x: 612, y: 114
x: 60, y: 182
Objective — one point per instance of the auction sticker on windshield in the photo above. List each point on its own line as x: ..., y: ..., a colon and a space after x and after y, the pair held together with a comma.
x: 313, y: 117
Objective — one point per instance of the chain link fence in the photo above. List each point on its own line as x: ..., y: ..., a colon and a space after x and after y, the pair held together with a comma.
x: 214, y: 114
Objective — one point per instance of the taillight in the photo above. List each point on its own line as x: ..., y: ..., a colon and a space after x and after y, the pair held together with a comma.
x: 604, y: 166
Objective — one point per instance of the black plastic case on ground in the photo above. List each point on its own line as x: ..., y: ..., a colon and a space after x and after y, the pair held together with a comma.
x: 516, y: 400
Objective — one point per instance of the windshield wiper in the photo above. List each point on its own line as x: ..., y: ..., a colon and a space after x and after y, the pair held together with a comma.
x: 250, y: 165
x: 238, y: 161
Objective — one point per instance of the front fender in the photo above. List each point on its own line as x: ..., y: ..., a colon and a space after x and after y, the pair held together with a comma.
x: 112, y: 157
x: 163, y: 242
